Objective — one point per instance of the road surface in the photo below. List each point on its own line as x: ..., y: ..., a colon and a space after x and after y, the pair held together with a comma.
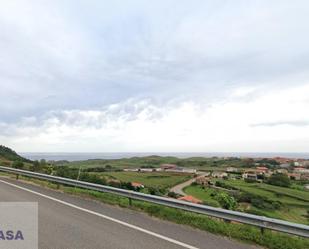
x: 178, y: 189
x: 71, y: 222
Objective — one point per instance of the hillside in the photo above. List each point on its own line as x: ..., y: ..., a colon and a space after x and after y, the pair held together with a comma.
x: 7, y: 154
x: 200, y: 163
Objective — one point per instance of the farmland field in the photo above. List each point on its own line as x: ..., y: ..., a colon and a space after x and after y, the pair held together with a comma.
x: 199, y: 163
x: 202, y: 194
x: 294, y: 202
x: 153, y: 179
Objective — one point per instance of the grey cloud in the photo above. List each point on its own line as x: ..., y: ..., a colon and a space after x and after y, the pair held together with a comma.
x: 109, y: 115
x: 84, y: 56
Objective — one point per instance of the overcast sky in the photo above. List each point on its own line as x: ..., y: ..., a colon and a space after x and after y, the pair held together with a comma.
x: 146, y: 76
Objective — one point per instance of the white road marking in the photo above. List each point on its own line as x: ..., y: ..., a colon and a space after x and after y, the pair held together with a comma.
x: 106, y: 217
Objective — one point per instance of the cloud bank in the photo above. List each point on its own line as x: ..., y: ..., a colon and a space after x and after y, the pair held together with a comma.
x: 160, y: 76
x: 140, y: 125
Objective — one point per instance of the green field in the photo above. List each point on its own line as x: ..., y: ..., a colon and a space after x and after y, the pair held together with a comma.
x: 153, y: 179
x: 200, y: 163
x: 294, y: 202
x: 202, y: 194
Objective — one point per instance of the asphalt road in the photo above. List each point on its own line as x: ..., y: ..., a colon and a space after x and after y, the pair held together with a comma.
x: 70, y: 222
x: 178, y: 189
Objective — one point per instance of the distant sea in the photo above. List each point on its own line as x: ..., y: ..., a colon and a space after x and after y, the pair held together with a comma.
x: 84, y: 156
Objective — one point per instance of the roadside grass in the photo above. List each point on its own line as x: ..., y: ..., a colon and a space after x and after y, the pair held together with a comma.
x: 250, y: 234
x: 153, y: 179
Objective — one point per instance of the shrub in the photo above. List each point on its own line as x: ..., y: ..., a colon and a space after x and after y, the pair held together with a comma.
x: 172, y: 195
x: 18, y: 164
x: 224, y: 185
x: 258, y: 201
x: 226, y: 201
x: 279, y: 179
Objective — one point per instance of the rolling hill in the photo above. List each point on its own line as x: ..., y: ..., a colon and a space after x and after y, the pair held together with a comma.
x: 7, y: 154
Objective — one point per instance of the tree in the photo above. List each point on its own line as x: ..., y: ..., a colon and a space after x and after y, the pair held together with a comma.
x: 108, y: 167
x: 36, y: 166
x: 43, y: 163
x: 226, y: 201
x: 279, y: 179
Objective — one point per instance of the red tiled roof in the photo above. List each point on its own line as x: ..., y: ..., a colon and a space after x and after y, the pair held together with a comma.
x: 261, y: 168
x: 137, y: 184
x: 190, y: 198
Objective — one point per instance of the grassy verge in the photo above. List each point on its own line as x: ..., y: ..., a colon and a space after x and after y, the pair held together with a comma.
x: 270, y: 239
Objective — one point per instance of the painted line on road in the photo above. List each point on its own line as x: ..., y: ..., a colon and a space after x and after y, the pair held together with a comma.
x: 106, y: 217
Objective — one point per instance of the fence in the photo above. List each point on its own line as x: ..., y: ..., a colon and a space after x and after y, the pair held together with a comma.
x: 255, y: 220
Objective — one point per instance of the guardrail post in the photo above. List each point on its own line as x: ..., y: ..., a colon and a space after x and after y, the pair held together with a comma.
x: 262, y: 230
x: 58, y: 186
x: 130, y: 201
x: 17, y: 176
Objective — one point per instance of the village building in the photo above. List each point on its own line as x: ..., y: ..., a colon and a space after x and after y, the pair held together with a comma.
x: 305, y: 163
x: 219, y: 174
x: 181, y: 170
x: 304, y: 177
x: 282, y: 171
x: 282, y: 160
x: 202, y: 180
x: 137, y: 185
x: 250, y: 175
x: 301, y: 170
x: 231, y: 170
x: 190, y: 198
x: 261, y: 170
x: 147, y: 169
x: 166, y: 166
x: 294, y: 176
x: 130, y: 170
x: 285, y: 165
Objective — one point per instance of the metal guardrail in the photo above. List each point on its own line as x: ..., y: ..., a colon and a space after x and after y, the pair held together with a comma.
x: 255, y: 220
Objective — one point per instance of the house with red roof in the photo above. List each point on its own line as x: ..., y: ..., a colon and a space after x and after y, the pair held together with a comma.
x: 137, y: 185
x: 190, y: 198
x: 261, y: 169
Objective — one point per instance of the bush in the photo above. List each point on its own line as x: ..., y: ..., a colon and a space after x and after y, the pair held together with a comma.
x: 18, y: 164
x: 224, y: 185
x: 156, y: 191
x: 279, y: 179
x: 226, y: 201
x: 258, y: 201
x: 172, y: 195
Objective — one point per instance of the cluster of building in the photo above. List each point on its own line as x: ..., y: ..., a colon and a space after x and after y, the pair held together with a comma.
x: 295, y: 169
